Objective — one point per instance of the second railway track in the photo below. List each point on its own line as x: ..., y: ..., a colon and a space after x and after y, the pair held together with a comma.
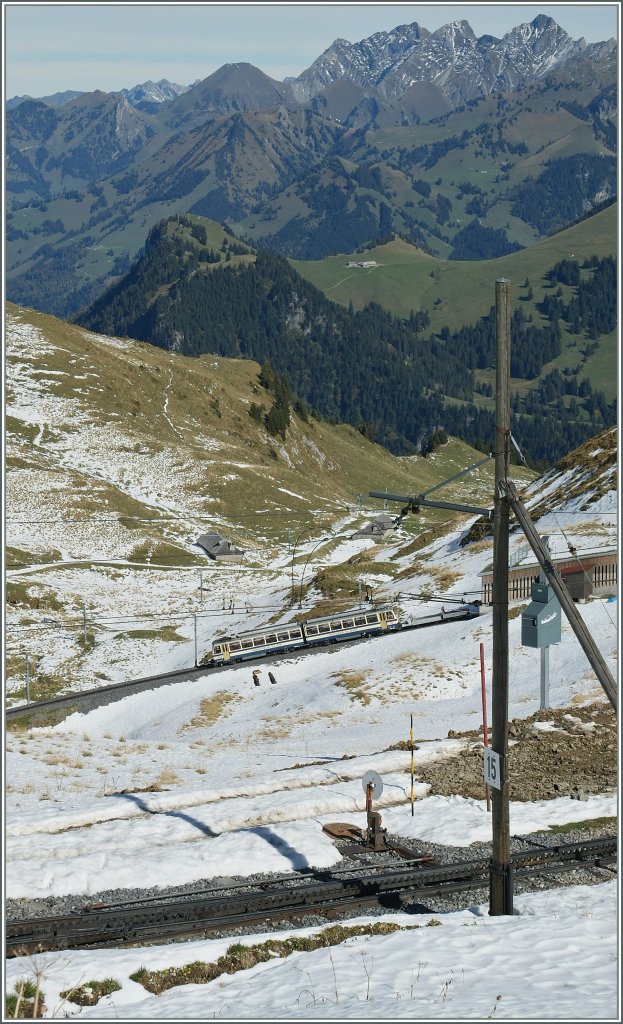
x: 286, y: 897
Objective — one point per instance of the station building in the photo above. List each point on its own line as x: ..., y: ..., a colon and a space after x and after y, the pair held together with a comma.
x: 584, y: 571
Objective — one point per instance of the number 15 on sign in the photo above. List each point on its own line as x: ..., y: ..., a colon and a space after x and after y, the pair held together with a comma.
x: 492, y: 768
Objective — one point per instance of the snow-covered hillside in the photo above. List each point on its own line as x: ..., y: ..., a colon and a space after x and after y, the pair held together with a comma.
x: 120, y: 455
x: 216, y: 776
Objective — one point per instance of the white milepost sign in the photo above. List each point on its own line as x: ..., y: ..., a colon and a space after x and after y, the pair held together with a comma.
x: 492, y: 768
x: 377, y: 783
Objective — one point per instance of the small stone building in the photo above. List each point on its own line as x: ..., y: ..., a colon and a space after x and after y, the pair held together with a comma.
x: 219, y: 548
x: 377, y: 529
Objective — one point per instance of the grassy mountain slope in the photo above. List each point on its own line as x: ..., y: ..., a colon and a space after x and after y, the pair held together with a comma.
x: 389, y: 376
x: 495, y: 150
x: 129, y: 408
x: 407, y: 278
x: 368, y: 369
x: 455, y: 293
x: 64, y: 250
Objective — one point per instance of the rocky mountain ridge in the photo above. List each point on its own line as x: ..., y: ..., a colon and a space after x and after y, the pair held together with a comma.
x: 461, y: 66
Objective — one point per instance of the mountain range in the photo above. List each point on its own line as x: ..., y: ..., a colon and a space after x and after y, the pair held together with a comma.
x: 457, y: 143
x: 460, y: 65
x: 143, y: 96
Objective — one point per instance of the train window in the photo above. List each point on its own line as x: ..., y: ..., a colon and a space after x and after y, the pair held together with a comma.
x: 360, y: 620
x: 372, y: 618
x: 295, y: 634
x: 258, y: 641
x: 347, y: 623
x: 391, y: 617
x: 283, y: 636
x: 336, y: 625
x: 312, y: 630
x: 246, y: 644
x: 323, y: 629
x: 272, y: 638
x: 234, y: 646
x: 216, y: 648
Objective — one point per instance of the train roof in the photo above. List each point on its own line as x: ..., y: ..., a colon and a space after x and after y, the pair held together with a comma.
x: 349, y: 614
x: 276, y: 627
x: 257, y: 632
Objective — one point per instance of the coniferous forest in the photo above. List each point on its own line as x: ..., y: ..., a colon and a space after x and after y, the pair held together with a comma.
x: 392, y: 379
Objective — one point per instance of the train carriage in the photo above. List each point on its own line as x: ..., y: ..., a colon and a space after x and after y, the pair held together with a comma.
x: 256, y: 643
x: 325, y: 630
x: 352, y: 624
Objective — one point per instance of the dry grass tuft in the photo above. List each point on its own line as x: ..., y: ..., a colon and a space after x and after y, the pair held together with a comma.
x: 239, y: 957
x: 168, y: 777
x: 418, y: 674
x: 355, y: 685
x: 275, y: 728
x: 212, y: 709
x: 165, y: 780
x: 480, y: 545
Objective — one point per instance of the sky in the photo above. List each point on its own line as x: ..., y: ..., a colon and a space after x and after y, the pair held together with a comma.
x: 56, y: 47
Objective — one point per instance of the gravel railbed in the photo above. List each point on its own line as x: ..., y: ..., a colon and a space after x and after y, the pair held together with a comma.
x: 19, y: 909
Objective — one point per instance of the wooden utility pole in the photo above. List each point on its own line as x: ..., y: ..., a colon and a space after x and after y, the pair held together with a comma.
x: 501, y: 881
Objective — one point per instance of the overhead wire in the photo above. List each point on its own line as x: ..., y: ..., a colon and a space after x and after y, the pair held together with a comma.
x: 125, y: 563
x: 164, y: 560
x: 108, y: 621
x: 173, y: 517
x: 166, y: 519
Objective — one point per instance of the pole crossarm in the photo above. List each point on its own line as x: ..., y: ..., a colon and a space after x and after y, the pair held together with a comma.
x: 576, y: 621
x: 456, y: 476
x: 415, y: 501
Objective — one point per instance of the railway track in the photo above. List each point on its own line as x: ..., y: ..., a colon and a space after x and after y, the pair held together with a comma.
x: 87, y: 700
x: 287, y: 897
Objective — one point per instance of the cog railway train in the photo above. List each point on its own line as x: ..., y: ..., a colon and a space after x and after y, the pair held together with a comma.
x: 326, y: 630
